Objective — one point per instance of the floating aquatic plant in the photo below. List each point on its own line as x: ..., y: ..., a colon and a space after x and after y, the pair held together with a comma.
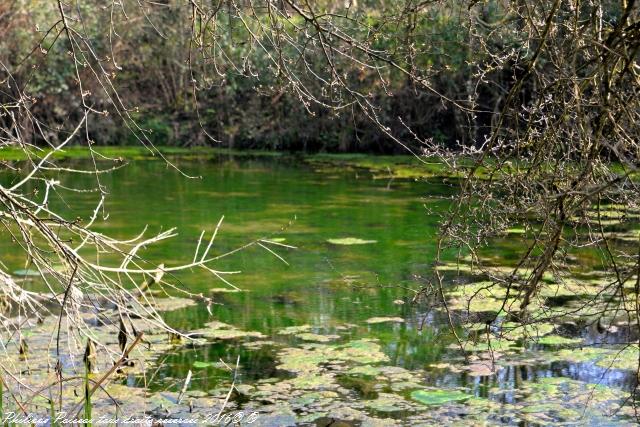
x: 376, y: 320
x: 347, y: 241
x: 439, y: 397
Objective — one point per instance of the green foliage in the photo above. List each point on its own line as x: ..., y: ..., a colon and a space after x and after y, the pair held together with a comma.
x: 253, y: 107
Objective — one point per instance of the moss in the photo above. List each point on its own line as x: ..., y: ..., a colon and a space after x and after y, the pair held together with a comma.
x: 495, y: 345
x: 615, y: 357
x: 365, y: 370
x: 222, y: 331
x: 399, y: 166
x: 317, y: 338
x: 130, y: 152
x: 557, y: 399
x: 480, y: 304
x: 545, y: 412
x: 557, y: 340
x: 362, y: 351
x: 387, y: 402
x: 315, y: 396
x: 293, y: 330
x: 313, y: 381
x: 301, y: 360
x: 514, y: 331
x: 484, y: 288
x: 402, y: 386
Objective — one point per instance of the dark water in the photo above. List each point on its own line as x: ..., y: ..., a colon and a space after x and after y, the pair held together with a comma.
x: 333, y: 288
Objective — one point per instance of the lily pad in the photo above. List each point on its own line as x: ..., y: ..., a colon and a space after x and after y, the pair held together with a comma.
x: 201, y: 365
x: 362, y: 351
x: 198, y: 364
x: 366, y: 370
x: 172, y: 303
x: 26, y: 272
x: 513, y: 330
x: 276, y: 239
x: 387, y: 403
x: 222, y: 331
x: 232, y: 334
x: 312, y: 381
x: 559, y: 400
x: 439, y: 397
x: 375, y: 320
x: 346, y: 241
x: 307, y: 336
x: 293, y: 330
x: 223, y: 290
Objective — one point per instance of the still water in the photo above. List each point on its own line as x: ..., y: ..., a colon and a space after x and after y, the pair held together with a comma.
x: 328, y: 289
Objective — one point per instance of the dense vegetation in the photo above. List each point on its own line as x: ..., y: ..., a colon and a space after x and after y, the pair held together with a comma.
x: 243, y: 101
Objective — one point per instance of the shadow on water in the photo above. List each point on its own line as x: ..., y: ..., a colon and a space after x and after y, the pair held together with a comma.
x: 213, y: 366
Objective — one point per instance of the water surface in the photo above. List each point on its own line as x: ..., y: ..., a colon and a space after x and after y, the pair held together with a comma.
x: 329, y: 288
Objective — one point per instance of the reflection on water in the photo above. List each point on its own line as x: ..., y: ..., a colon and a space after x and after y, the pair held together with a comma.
x: 331, y: 288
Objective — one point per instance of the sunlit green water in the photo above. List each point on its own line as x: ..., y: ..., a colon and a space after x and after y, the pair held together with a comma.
x: 323, y: 285
x: 333, y: 288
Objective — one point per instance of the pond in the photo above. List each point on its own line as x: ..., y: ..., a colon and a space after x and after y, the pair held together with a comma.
x: 331, y: 330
